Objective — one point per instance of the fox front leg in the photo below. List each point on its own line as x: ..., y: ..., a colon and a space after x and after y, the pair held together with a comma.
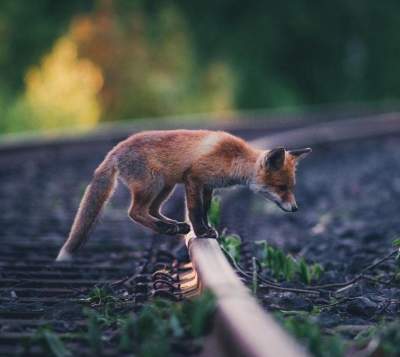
x: 197, y: 212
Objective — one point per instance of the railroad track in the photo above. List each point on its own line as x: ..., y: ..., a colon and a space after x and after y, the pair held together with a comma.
x: 33, y: 290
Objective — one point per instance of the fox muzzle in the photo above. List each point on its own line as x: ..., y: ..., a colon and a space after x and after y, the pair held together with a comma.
x: 287, y: 207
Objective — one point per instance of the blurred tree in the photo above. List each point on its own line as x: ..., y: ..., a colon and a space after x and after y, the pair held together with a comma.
x: 61, y: 92
x: 301, y: 52
x: 147, y: 62
x: 179, y: 56
x: 27, y: 30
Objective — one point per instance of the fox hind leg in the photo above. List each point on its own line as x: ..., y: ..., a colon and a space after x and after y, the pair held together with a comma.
x: 140, y: 211
x: 156, y: 205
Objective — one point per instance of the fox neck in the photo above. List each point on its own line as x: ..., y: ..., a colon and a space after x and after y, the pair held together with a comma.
x: 243, y: 169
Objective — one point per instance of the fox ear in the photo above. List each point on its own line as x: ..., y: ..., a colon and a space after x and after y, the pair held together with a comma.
x: 275, y: 159
x: 299, y: 154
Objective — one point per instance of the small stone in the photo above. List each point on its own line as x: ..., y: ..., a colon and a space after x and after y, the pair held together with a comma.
x: 295, y: 302
x: 362, y: 307
x: 327, y: 319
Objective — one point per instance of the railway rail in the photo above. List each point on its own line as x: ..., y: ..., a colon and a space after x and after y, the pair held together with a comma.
x: 33, y: 290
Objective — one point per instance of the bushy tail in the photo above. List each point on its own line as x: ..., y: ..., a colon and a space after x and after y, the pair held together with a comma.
x: 96, y: 195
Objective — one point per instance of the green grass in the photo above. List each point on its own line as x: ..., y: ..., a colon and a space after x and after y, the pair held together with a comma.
x: 380, y: 340
x: 231, y: 243
x: 51, y: 342
x: 151, y: 332
x: 319, y: 344
x: 282, y: 266
x: 214, y: 213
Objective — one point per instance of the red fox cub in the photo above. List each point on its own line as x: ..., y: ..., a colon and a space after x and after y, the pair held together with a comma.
x: 151, y: 163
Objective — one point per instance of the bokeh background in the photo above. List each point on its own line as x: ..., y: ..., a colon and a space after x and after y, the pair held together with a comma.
x: 76, y: 63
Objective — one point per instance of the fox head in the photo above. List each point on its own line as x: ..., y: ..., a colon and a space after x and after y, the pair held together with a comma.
x: 275, y: 176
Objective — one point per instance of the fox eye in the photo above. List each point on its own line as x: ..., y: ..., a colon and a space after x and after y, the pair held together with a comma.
x: 282, y: 187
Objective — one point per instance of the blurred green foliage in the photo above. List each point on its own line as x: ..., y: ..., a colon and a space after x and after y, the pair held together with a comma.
x: 284, y: 266
x: 155, y: 329
x: 27, y: 30
x: 174, y: 57
x: 301, y: 52
x: 318, y: 343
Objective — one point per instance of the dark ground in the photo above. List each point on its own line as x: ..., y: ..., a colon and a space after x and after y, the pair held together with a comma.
x: 349, y: 199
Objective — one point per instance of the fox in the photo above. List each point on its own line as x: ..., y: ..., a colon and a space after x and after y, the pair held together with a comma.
x: 151, y: 163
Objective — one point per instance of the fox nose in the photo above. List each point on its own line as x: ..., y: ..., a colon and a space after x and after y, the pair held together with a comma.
x: 294, y: 208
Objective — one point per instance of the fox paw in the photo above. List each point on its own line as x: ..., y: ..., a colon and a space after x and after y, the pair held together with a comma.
x: 183, y: 228
x: 207, y: 233
x: 173, y: 229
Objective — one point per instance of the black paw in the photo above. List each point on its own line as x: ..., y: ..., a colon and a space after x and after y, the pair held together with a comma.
x: 183, y: 228
x: 207, y: 233
x: 173, y: 229
x: 167, y: 228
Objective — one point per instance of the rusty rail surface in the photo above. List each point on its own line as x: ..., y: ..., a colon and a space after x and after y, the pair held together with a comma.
x: 243, y: 328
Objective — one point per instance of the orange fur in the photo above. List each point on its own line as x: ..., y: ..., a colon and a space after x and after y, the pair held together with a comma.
x: 151, y: 163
